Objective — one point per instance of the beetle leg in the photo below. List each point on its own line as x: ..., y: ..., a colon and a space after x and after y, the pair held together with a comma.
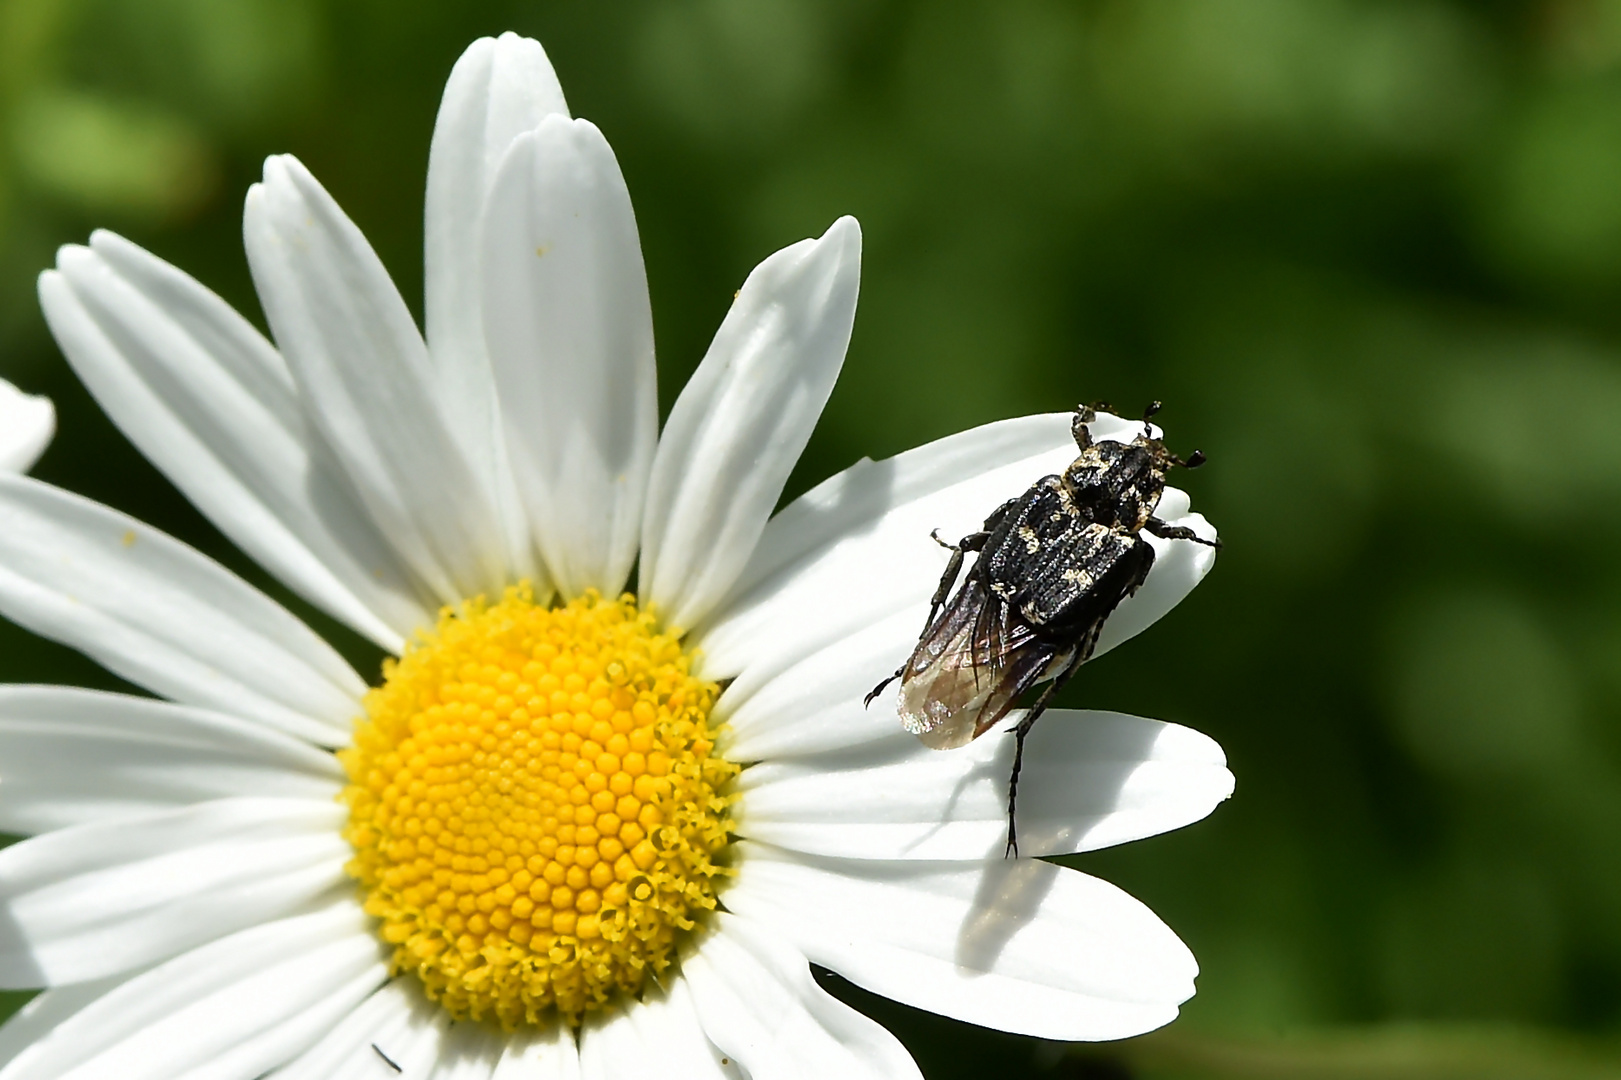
x: 1084, y: 415
x: 1177, y: 532
x: 390, y: 1062
x: 995, y: 519
x: 1019, y: 733
x: 971, y: 542
x: 947, y: 580
x: 879, y: 689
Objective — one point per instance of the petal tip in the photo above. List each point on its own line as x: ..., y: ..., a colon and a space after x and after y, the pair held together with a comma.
x: 75, y: 258
x: 477, y: 48
x: 106, y: 238
x: 846, y: 229
x: 49, y: 281
x: 281, y: 169
x: 521, y: 46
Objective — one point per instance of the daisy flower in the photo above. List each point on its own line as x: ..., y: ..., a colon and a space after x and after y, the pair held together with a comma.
x: 27, y: 423
x: 571, y: 831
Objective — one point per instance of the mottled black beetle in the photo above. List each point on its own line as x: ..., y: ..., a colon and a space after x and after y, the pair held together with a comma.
x: 1053, y: 564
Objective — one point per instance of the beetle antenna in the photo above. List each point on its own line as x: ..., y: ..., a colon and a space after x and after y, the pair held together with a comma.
x: 1153, y: 407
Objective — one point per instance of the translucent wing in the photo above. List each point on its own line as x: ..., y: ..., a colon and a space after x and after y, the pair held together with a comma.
x: 970, y: 668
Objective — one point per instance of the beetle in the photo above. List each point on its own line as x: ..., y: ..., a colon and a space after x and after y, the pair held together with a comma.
x: 1053, y: 564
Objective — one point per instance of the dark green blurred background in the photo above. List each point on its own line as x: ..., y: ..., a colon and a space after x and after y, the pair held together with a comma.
x: 1368, y: 253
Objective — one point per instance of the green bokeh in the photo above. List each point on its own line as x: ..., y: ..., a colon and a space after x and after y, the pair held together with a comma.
x: 1367, y: 251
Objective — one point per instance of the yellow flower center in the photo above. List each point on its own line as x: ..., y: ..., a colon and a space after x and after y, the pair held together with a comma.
x: 535, y: 807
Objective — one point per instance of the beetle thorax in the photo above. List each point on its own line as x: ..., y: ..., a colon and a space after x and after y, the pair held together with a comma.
x: 1118, y: 484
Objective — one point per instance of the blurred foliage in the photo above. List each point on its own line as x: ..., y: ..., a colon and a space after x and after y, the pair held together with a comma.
x: 1367, y: 251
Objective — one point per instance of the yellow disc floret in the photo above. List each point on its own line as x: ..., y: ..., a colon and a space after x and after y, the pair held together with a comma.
x: 535, y: 807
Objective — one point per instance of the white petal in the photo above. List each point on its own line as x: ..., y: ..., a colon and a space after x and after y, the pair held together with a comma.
x: 1014, y: 944
x: 27, y: 423
x: 1090, y: 780
x: 396, y: 1024
x: 657, y: 1036
x: 816, y: 705
x: 207, y: 399
x: 233, y: 1008
x: 48, y: 1010
x: 365, y: 377
x: 758, y: 1003
x: 546, y: 1054
x: 469, y: 1052
x: 1179, y: 565
x: 742, y: 420
x: 164, y: 616
x: 856, y: 549
x: 70, y: 756
x: 93, y: 900
x: 570, y: 336
x: 499, y: 89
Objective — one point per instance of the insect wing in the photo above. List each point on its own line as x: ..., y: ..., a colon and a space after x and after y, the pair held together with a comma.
x: 969, y: 669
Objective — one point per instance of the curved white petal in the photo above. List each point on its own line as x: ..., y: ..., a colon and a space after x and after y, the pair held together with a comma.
x: 50, y: 1009
x: 570, y: 337
x: 92, y: 900
x: 657, y: 1036
x: 546, y: 1054
x: 364, y: 375
x: 164, y: 616
x: 499, y: 89
x: 1090, y: 780
x: 208, y: 400
x: 759, y: 1005
x: 742, y: 420
x: 856, y: 550
x: 70, y: 756
x: 468, y: 1052
x: 1018, y: 945
x: 816, y: 705
x: 396, y: 1024
x: 236, y: 1007
x: 27, y: 422
x: 1179, y: 565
